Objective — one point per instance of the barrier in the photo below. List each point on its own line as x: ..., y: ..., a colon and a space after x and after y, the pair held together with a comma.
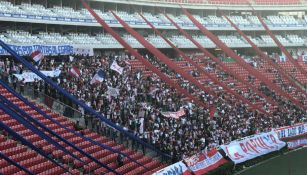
x: 297, y: 143
x: 291, y: 131
x: 44, y: 49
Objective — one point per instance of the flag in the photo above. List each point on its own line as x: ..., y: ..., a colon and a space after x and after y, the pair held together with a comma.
x: 113, y: 91
x: 98, y: 77
x: 74, y: 71
x: 116, y: 67
x: 37, y: 56
x: 175, y: 115
x: 71, y: 58
x: 138, y: 75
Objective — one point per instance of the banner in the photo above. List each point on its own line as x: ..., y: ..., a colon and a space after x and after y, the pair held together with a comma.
x: 251, y: 147
x: 291, y: 131
x: 297, y: 143
x: 30, y: 76
x: 202, y: 163
x: 83, y: 51
x: 175, y: 115
x: 44, y: 49
x: 178, y: 168
x: 305, y: 58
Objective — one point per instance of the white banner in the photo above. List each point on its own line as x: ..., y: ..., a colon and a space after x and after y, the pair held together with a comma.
x: 291, y: 131
x: 113, y: 91
x: 44, y: 49
x: 178, y: 168
x: 251, y: 147
x: 84, y: 51
x: 175, y: 115
x: 30, y: 76
x: 297, y: 143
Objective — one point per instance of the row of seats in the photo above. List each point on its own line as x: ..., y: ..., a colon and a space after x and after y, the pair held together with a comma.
x: 22, y: 37
x: 39, y: 165
x: 234, y: 2
x: 68, y: 12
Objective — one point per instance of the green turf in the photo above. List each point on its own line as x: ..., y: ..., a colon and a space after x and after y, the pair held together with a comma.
x: 293, y: 163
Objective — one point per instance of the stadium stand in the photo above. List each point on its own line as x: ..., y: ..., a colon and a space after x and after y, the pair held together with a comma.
x: 170, y: 104
x: 23, y: 37
x: 38, y: 165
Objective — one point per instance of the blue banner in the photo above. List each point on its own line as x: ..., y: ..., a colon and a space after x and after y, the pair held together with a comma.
x: 45, y: 49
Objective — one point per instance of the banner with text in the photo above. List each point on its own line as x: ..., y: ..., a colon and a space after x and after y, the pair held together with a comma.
x: 297, y: 143
x: 202, y: 163
x: 292, y: 131
x: 27, y: 77
x: 251, y: 147
x: 178, y: 168
x: 44, y: 49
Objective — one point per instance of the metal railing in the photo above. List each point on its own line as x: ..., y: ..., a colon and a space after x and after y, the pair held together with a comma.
x: 81, y: 119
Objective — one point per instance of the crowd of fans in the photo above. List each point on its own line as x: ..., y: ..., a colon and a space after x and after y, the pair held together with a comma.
x: 141, y: 100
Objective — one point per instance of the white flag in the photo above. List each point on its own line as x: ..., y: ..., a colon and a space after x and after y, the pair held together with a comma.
x: 113, y: 91
x: 116, y: 67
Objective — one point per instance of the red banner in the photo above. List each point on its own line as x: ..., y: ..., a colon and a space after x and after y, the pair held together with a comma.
x: 202, y: 163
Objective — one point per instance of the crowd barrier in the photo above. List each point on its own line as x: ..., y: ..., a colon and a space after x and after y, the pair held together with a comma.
x: 291, y: 131
x: 246, y: 150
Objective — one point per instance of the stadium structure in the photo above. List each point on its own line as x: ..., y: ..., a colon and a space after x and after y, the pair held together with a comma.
x: 151, y: 86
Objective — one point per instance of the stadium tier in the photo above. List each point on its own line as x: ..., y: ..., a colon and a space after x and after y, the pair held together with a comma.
x: 107, y: 41
x: 185, y: 87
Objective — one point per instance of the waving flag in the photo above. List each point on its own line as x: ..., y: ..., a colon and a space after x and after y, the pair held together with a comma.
x: 74, y: 71
x: 98, y: 77
x: 37, y: 56
x: 116, y: 67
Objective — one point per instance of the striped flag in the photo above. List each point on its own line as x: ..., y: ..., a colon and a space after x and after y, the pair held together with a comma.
x: 98, y: 77
x: 37, y: 56
x: 74, y: 71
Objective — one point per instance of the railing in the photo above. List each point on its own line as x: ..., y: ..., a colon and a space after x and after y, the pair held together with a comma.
x: 80, y: 118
